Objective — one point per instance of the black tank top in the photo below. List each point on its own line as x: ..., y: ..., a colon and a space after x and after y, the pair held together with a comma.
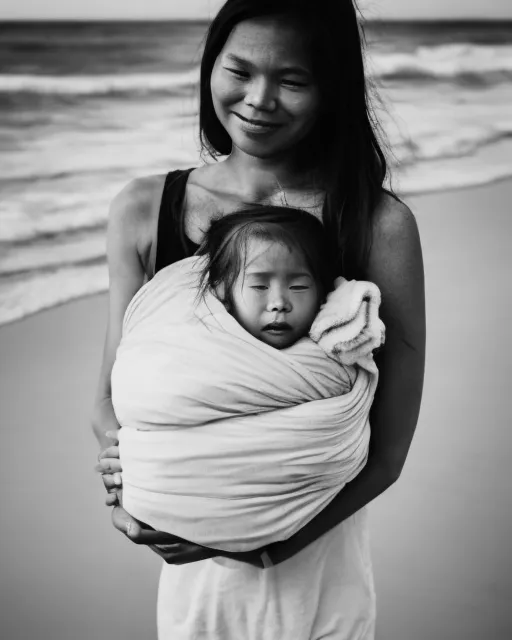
x: 171, y: 242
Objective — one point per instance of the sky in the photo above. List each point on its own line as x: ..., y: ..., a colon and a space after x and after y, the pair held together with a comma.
x: 158, y: 9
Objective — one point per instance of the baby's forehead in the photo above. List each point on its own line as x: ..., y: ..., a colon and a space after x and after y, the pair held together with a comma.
x: 267, y: 256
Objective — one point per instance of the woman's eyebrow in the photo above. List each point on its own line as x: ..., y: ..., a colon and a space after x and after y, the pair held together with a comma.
x: 233, y: 58
x: 288, y: 69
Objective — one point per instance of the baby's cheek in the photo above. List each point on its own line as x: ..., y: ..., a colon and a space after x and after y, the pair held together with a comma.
x: 315, y: 308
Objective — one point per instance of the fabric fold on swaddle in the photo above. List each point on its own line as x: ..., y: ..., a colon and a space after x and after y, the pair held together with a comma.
x: 226, y: 441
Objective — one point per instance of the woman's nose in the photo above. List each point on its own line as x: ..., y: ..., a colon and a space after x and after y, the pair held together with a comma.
x: 260, y: 95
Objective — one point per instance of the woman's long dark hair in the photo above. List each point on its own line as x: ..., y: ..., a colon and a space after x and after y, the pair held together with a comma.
x: 342, y: 148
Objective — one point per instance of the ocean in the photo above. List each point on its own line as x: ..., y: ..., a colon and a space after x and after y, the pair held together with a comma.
x: 86, y: 107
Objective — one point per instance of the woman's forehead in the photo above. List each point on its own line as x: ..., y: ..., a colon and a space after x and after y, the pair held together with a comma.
x: 267, y: 41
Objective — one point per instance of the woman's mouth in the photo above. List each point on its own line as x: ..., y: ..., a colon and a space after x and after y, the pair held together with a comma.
x: 257, y: 126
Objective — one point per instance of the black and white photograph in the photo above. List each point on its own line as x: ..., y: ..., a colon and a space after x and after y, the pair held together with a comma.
x: 255, y: 314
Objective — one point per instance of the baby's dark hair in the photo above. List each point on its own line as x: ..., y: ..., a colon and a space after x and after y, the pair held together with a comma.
x: 225, y: 244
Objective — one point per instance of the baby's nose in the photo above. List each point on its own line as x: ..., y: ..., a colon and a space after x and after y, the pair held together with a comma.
x: 279, y: 301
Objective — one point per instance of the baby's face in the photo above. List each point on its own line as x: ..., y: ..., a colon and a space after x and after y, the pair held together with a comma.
x: 275, y: 298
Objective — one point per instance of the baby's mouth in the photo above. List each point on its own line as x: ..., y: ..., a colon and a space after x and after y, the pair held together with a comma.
x: 277, y: 327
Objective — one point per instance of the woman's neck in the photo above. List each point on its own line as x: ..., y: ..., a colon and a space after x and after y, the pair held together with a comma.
x: 262, y: 178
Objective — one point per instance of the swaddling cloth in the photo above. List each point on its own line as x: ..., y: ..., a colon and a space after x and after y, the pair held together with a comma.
x: 226, y: 441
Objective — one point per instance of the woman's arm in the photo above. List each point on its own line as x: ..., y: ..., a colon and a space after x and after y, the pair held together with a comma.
x: 126, y: 235
x: 396, y: 267
x: 132, y: 225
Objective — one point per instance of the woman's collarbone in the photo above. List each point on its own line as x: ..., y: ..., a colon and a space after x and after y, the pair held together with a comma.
x: 202, y: 205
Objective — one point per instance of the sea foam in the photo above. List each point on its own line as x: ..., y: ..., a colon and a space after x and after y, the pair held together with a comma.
x: 480, y: 64
x: 69, y: 85
x: 468, y: 62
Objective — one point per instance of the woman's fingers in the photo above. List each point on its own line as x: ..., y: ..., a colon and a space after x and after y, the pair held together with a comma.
x: 172, y: 549
x: 138, y: 532
x: 109, y: 452
x: 108, y: 465
x: 111, y: 500
x: 112, y: 482
x: 123, y: 522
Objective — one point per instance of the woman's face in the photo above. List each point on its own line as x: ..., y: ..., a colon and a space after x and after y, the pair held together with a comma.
x: 263, y: 89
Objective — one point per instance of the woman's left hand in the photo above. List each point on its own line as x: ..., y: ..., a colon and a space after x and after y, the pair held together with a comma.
x: 172, y: 549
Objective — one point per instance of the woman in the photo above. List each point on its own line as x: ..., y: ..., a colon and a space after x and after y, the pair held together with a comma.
x: 283, y: 96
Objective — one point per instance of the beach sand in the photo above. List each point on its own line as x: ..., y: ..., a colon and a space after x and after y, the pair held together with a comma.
x: 441, y: 534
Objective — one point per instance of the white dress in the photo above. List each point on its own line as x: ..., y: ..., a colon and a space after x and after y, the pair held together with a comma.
x: 325, y: 592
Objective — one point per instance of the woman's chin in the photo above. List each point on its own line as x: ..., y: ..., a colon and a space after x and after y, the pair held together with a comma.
x: 260, y: 147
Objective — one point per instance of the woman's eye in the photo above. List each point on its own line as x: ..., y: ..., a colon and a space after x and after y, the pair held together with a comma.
x: 299, y: 287
x: 237, y: 72
x: 293, y: 83
x: 259, y: 287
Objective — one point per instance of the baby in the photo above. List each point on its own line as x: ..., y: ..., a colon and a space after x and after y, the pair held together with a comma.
x: 270, y: 267
x: 238, y: 427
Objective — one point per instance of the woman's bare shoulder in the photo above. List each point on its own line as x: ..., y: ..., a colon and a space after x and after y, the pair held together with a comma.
x: 396, y: 266
x: 393, y: 218
x: 134, y: 214
x: 395, y: 236
x: 135, y: 202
